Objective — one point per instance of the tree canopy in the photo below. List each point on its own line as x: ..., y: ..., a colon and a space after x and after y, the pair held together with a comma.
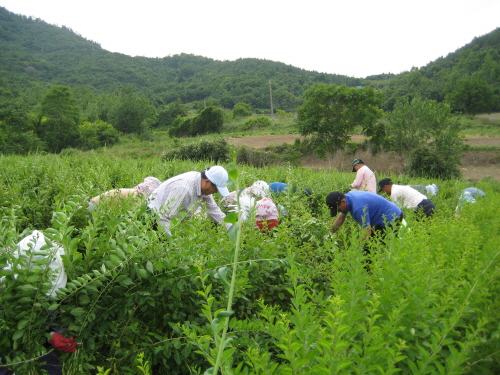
x: 331, y: 113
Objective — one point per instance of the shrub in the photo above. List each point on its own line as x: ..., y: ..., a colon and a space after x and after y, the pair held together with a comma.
x: 209, y: 121
x: 426, y: 162
x: 97, y: 134
x: 256, y: 158
x: 241, y: 110
x: 260, y: 121
x: 215, y: 149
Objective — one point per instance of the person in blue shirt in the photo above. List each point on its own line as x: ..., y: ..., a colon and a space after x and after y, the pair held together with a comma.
x: 372, y: 212
x: 277, y: 187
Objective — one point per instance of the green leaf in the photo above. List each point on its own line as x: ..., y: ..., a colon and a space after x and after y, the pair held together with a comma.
x: 233, y: 173
x: 233, y: 232
x: 231, y: 218
x: 53, y: 307
x: 22, y: 324
x: 215, y: 325
x: 225, y: 314
x: 18, y: 334
x: 221, y: 273
x: 127, y: 281
x: 149, y: 267
x: 26, y: 287
x: 78, y: 311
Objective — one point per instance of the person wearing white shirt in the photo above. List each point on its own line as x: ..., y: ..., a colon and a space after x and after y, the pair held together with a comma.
x: 186, y: 192
x: 406, y: 196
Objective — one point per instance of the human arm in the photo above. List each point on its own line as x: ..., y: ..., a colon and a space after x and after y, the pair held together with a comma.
x: 338, y: 222
x: 111, y: 195
x: 214, y: 211
x: 358, y: 180
x: 367, y: 233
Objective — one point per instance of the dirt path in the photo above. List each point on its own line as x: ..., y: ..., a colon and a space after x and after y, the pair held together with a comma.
x: 468, y: 171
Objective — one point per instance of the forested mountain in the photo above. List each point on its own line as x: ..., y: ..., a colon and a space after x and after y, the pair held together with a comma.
x: 465, y: 78
x: 60, y: 90
x: 36, y: 52
x: 36, y: 55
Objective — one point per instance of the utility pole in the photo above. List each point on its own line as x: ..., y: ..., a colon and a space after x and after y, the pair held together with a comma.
x: 271, y: 96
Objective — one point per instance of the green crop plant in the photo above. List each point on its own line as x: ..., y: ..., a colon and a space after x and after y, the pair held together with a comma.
x: 301, y: 301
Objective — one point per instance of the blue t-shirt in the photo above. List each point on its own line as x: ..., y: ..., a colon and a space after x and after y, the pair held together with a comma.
x: 371, y: 209
x: 277, y: 187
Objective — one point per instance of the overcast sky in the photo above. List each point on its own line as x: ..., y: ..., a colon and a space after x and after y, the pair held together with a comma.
x: 350, y: 37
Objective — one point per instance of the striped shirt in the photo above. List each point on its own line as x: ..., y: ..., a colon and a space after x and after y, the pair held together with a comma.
x: 182, y: 193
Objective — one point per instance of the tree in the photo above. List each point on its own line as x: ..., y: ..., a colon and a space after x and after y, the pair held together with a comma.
x: 131, y: 111
x: 428, y: 131
x: 58, y: 120
x: 330, y: 113
x: 171, y: 111
x: 210, y: 120
x: 97, y: 134
x: 17, y: 134
x: 472, y: 95
x: 241, y: 109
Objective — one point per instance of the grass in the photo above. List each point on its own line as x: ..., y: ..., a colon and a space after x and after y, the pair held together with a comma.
x: 484, y: 125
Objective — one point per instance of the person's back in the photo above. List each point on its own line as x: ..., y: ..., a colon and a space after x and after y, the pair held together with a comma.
x: 406, y: 196
x: 369, y: 208
x: 475, y: 192
x: 266, y: 214
x: 365, y: 178
x: 170, y: 188
x: 277, y: 187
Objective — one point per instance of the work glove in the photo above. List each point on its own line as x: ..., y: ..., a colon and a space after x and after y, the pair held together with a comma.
x: 63, y: 344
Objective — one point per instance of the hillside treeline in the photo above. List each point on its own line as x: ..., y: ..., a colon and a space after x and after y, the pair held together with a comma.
x: 60, y: 90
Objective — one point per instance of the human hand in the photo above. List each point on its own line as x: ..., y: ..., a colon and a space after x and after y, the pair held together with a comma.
x: 63, y: 344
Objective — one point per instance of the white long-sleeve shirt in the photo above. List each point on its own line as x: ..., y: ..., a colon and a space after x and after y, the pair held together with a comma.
x: 182, y: 193
x: 406, y: 196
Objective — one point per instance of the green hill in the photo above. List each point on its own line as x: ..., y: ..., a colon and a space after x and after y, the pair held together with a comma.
x: 473, y: 68
x: 36, y: 52
x: 36, y: 55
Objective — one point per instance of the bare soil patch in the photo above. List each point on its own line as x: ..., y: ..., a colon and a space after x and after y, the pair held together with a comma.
x: 483, y: 141
x: 470, y: 169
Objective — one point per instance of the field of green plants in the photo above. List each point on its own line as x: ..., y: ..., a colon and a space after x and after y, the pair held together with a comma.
x: 206, y: 300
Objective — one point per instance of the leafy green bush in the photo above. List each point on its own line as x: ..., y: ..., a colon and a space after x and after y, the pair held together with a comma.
x: 260, y: 121
x: 209, y: 121
x: 256, y: 158
x: 97, y: 134
x: 213, y: 149
x: 426, y: 162
x: 241, y: 110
